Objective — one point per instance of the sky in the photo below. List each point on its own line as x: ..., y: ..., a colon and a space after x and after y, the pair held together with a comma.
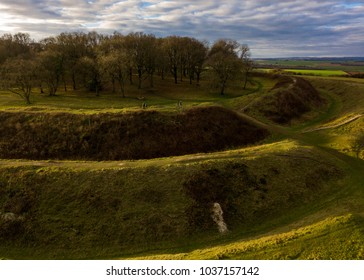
x: 270, y: 28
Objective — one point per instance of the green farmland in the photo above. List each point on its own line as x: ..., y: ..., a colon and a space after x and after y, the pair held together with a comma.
x: 324, y: 64
x: 324, y: 73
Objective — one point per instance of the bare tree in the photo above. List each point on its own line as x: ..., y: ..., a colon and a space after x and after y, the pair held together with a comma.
x: 224, y: 62
x: 19, y: 76
x: 73, y: 46
x: 17, y: 45
x: 195, y: 54
x: 50, y: 66
x: 173, y: 48
x: 161, y: 59
x: 115, y: 65
x: 91, y: 69
x: 247, y: 62
x: 152, y: 53
x: 141, y: 48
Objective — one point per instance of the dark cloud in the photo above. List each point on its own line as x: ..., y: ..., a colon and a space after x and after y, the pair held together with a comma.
x: 271, y: 28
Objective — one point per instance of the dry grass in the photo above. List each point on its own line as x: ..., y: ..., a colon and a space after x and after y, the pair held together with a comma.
x: 133, y: 135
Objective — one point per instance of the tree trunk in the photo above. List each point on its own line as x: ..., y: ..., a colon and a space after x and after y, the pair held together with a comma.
x: 97, y: 90
x: 151, y: 80
x: 175, y: 75
x: 197, y: 78
x: 64, y: 83
x: 52, y: 90
x: 131, y: 75
x: 113, y: 85
x: 140, y: 79
x: 192, y: 76
x: 222, y: 92
x: 121, y: 84
x: 122, y: 90
x: 74, y: 81
x: 246, y: 80
x: 27, y: 95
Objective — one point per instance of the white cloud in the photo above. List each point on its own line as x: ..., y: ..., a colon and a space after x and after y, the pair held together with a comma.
x: 290, y: 26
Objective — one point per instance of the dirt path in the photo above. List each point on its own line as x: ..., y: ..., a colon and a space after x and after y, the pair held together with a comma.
x: 353, y: 118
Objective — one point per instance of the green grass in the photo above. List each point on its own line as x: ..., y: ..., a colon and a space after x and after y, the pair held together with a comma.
x: 324, y: 73
x: 307, y: 243
x: 311, y: 72
x: 106, y: 210
x: 296, y: 196
x: 164, y: 96
x: 347, y: 66
x: 347, y: 101
x: 322, y: 234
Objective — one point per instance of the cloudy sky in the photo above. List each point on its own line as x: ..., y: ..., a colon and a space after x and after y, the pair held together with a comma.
x: 271, y: 28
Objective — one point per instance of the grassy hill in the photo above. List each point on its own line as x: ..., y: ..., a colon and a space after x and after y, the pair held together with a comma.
x: 128, y: 135
x: 288, y: 100
x: 308, y: 242
x: 296, y: 194
x: 344, y: 122
x: 87, y: 209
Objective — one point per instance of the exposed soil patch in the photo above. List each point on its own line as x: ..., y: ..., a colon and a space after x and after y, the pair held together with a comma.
x: 136, y: 135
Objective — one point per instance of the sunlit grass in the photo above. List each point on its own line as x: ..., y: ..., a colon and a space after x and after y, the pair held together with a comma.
x: 75, y: 206
x: 324, y: 73
x: 343, y: 233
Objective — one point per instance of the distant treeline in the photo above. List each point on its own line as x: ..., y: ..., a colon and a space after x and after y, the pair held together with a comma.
x: 318, y: 58
x: 92, y: 60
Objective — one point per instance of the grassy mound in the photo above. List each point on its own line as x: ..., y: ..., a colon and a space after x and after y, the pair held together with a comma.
x: 344, y: 122
x: 79, y: 210
x: 347, y: 93
x: 343, y: 233
x: 133, y: 135
x: 289, y: 99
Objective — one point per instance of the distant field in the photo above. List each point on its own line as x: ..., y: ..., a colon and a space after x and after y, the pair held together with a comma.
x: 344, y: 65
x: 312, y: 72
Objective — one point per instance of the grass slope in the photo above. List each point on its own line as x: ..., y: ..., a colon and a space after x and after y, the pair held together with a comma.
x: 347, y: 99
x: 66, y: 210
x: 164, y: 96
x: 296, y: 196
x: 288, y: 100
x: 345, y: 234
x: 116, y: 136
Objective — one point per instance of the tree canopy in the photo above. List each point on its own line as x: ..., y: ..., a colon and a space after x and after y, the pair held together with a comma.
x: 92, y: 60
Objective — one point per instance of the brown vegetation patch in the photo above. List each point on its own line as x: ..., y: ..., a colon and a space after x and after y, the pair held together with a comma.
x: 289, y: 99
x: 246, y: 198
x: 136, y: 135
x: 356, y: 74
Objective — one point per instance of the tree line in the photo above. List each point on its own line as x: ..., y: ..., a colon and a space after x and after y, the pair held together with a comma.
x: 93, y: 60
